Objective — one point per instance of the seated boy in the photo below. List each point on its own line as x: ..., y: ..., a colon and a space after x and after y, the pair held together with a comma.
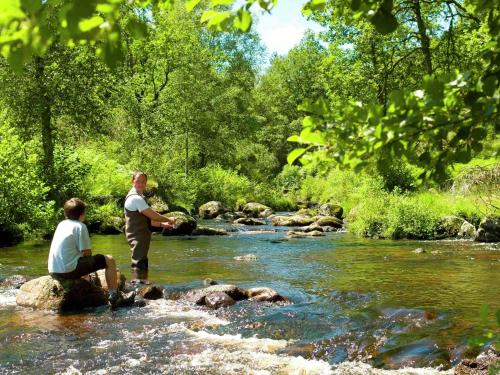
x: 70, y: 255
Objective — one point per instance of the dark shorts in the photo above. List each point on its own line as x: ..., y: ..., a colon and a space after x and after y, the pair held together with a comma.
x: 85, y: 266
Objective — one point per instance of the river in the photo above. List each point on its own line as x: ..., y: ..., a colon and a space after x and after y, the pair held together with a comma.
x: 359, y: 305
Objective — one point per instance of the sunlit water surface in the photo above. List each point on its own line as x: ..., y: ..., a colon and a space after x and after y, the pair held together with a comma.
x: 357, y: 304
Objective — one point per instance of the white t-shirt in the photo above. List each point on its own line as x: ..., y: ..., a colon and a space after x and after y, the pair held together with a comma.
x: 70, y: 239
x: 135, y: 202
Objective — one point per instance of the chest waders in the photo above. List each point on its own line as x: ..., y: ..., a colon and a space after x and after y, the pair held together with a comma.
x: 138, y: 236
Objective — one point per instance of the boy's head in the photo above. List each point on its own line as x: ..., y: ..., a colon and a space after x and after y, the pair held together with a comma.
x: 74, y: 209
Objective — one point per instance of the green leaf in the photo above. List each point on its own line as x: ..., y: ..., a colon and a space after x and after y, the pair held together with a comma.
x: 214, y: 3
x: 191, y: 4
x: 243, y: 20
x: 295, y: 154
x: 90, y: 23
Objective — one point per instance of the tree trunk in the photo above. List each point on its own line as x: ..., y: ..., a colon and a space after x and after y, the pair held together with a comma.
x: 187, y: 152
x: 424, y: 38
x: 44, y: 105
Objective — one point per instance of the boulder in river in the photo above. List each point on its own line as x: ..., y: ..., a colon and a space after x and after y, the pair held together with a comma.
x: 184, y: 224
x: 449, y: 226
x: 264, y: 294
x: 151, y: 292
x: 158, y: 204
x: 216, y: 296
x: 330, y: 209
x: 207, y: 231
x: 47, y: 292
x: 467, y: 230
x: 197, y: 296
x: 215, y: 300
x: 211, y: 210
x: 292, y: 221
x: 481, y: 365
x: 249, y: 221
x: 489, y: 230
x: 328, y: 221
x: 253, y: 209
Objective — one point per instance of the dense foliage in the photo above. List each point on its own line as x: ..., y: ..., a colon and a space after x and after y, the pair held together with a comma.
x: 384, y: 103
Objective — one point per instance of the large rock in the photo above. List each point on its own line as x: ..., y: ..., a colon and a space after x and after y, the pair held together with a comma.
x: 151, y: 292
x: 264, y: 294
x: 253, y: 209
x: 207, y: 231
x: 328, y: 221
x: 467, y: 230
x: 197, y: 296
x: 489, y: 230
x: 449, y: 226
x: 218, y: 299
x: 158, y: 204
x: 249, y: 221
x: 292, y: 221
x: 485, y: 364
x: 62, y: 295
x: 216, y: 296
x: 330, y: 209
x: 211, y: 210
x: 184, y: 224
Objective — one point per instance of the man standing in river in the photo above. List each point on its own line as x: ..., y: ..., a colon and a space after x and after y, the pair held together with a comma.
x: 139, y: 216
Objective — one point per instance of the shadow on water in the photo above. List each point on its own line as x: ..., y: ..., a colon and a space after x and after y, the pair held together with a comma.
x: 353, y: 299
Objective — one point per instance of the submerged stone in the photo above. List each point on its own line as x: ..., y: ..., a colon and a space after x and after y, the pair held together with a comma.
x: 14, y: 282
x: 216, y: 300
x: 249, y: 221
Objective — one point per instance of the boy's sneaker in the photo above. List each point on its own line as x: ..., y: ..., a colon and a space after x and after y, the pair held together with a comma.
x: 120, y: 299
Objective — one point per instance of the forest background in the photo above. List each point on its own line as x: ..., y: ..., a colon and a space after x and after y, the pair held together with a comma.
x: 395, y: 113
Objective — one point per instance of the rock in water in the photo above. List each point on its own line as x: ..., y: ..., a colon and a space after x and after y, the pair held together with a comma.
x: 467, y: 230
x: 489, y: 230
x: 449, y: 226
x: 330, y: 209
x: 48, y: 292
x: 249, y: 221
x: 264, y: 294
x: 485, y: 364
x: 328, y: 221
x: 419, y: 251
x: 253, y: 209
x: 211, y: 210
x: 218, y: 299
x: 207, y: 231
x: 150, y: 292
x: 184, y: 224
x: 292, y: 221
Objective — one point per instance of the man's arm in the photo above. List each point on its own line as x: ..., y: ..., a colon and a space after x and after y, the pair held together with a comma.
x: 156, y: 217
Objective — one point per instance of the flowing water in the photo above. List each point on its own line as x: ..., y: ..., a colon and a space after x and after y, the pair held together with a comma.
x: 359, y: 307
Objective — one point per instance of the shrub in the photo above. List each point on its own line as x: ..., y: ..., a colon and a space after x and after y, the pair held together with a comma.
x: 24, y: 208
